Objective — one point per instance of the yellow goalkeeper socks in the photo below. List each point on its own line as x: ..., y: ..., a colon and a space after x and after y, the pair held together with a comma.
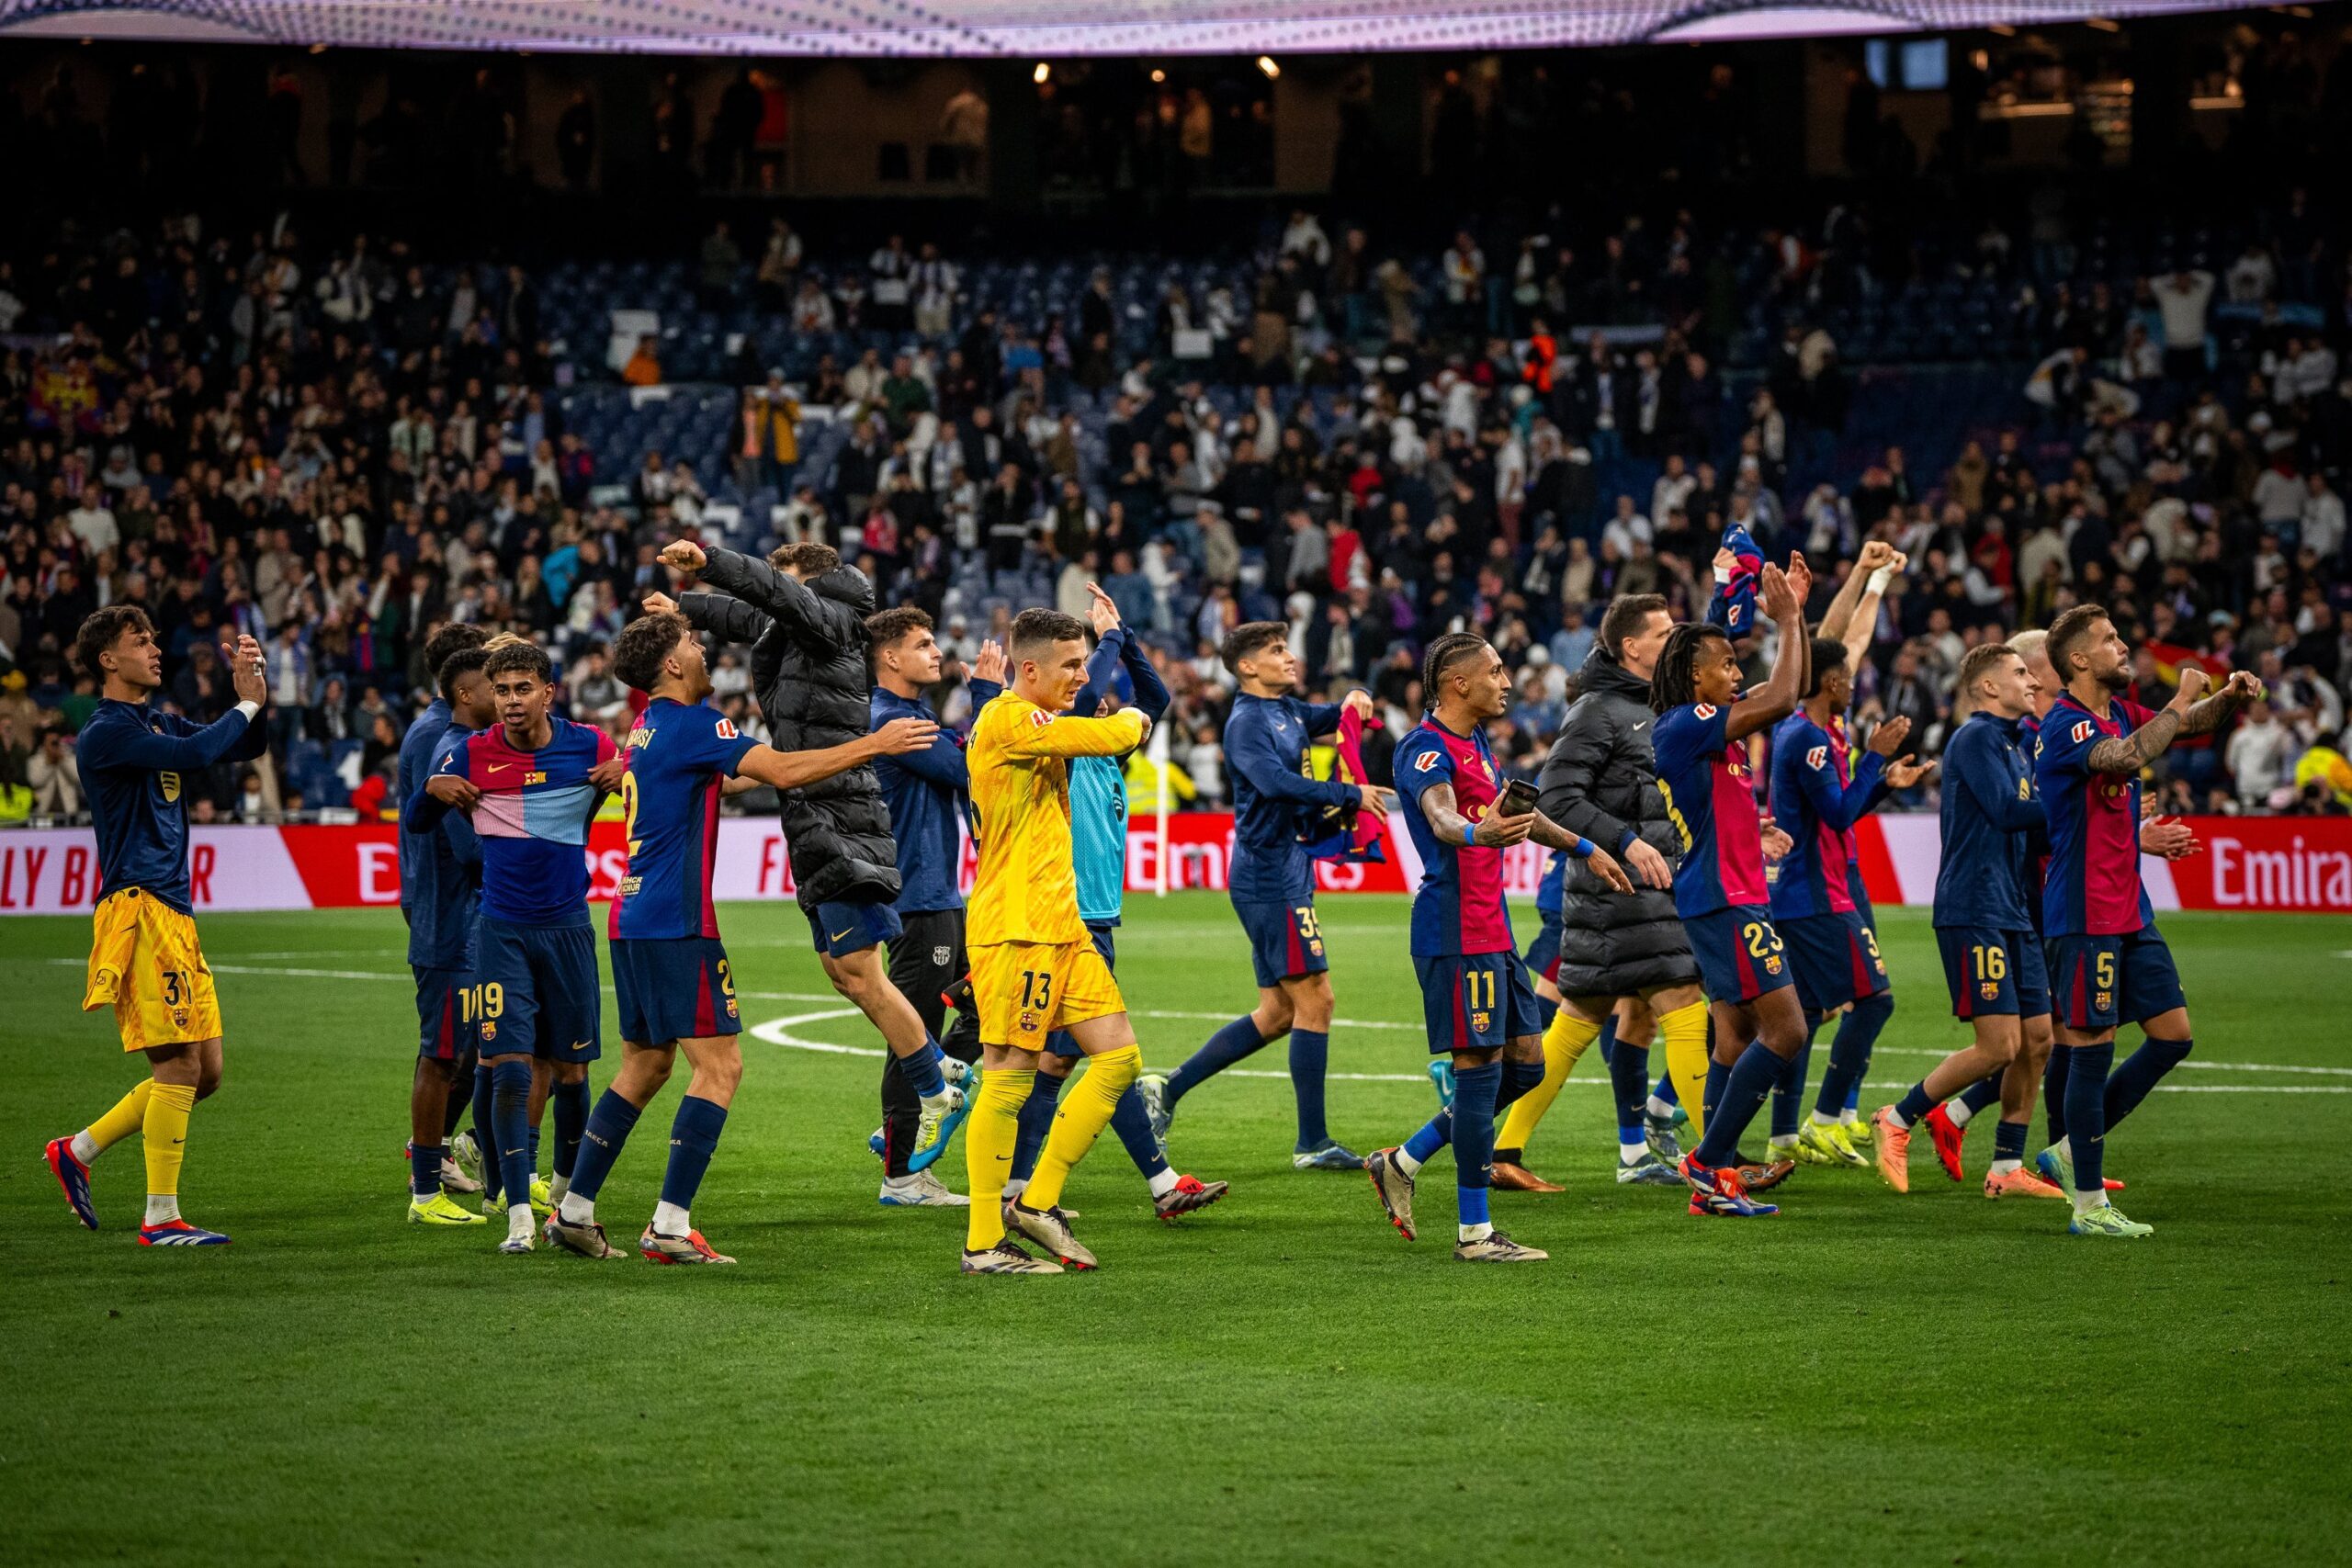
x: 990, y: 1136
x: 1686, y: 1060
x: 1565, y: 1044
x: 1086, y: 1111
x: 128, y: 1115
x: 166, y: 1129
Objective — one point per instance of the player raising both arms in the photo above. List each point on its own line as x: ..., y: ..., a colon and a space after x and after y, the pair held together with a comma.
x: 1275, y: 799
x: 2107, y: 961
x: 144, y: 958
x: 671, y: 974
x: 1033, y: 967
x: 1719, y: 888
x: 1477, y: 1003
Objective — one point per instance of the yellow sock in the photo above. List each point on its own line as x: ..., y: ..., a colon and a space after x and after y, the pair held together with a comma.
x: 1565, y: 1044
x: 1085, y: 1112
x: 989, y: 1134
x: 166, y: 1126
x: 130, y: 1114
x: 1686, y: 1061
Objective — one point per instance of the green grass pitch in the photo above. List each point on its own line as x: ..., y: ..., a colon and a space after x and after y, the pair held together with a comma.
x: 1280, y: 1380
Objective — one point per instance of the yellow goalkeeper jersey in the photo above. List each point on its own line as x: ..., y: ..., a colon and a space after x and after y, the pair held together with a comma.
x: 1026, y: 888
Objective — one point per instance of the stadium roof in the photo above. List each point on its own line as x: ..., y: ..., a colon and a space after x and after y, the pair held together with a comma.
x: 1019, y: 27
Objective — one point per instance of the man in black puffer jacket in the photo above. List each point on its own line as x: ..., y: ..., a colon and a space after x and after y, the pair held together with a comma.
x: 1600, y: 781
x: 803, y: 614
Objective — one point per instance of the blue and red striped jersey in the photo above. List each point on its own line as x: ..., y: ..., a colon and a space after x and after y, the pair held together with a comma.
x: 533, y: 820
x: 1818, y: 794
x: 1458, y: 909
x: 677, y: 755
x: 2092, y: 888
x: 1711, y: 799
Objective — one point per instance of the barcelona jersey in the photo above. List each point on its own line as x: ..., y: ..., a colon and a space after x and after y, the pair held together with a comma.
x: 1458, y: 909
x: 135, y: 761
x: 1026, y: 886
x: 1711, y: 799
x: 533, y: 819
x: 677, y: 755
x: 1818, y: 793
x: 2092, y: 888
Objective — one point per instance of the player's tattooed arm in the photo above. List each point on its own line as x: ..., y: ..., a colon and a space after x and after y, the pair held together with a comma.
x: 1551, y: 836
x: 2205, y: 717
x: 1445, y: 819
x: 2124, y: 755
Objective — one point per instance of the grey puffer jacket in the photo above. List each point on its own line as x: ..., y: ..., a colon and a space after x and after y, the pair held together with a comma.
x: 1600, y: 781
x: 815, y: 686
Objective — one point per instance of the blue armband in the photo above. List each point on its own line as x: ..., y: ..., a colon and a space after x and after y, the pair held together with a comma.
x: 1583, y: 849
x: 1470, y: 834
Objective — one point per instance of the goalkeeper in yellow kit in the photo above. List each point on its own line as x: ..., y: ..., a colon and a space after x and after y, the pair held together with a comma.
x: 1033, y: 967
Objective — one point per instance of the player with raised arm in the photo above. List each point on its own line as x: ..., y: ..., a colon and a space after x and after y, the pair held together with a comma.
x: 1033, y: 967
x: 1719, y: 888
x: 440, y: 885
x: 1098, y: 826
x: 531, y: 785
x: 2107, y: 961
x: 670, y: 974
x: 144, y: 957
x: 803, y: 615
x: 1272, y: 884
x: 1477, y: 1003
x: 1991, y: 822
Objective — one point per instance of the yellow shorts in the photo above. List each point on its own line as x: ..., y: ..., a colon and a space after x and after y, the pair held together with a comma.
x: 145, y: 960
x: 1027, y: 989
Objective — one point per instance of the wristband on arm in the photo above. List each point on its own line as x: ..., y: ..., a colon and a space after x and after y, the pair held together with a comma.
x: 1469, y: 834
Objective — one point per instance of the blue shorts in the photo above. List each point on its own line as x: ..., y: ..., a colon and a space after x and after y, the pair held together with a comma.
x: 445, y: 1012
x: 1740, y: 954
x: 540, y: 991
x: 1836, y: 958
x: 673, y: 989
x: 1059, y: 1042
x: 1543, y: 952
x: 2097, y: 982
x: 1285, y: 939
x: 1477, y: 1003
x: 1992, y: 972
x: 842, y: 928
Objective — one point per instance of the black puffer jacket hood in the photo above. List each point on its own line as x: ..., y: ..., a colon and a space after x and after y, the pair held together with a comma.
x: 810, y: 670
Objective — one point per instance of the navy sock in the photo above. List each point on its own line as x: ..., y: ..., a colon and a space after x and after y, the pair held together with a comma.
x: 425, y: 1168
x: 1663, y: 1090
x: 2087, y: 1112
x: 2054, y: 1077
x: 1132, y: 1122
x: 1745, y: 1085
x: 1718, y: 1078
x: 1477, y: 1092
x: 1310, y: 1054
x: 1982, y: 1093
x: 2139, y: 1074
x: 454, y: 1107
x: 1433, y: 1136
x: 1547, y: 1010
x: 1036, y: 1120
x: 535, y: 1153
x: 1850, y: 1053
x: 2009, y: 1140
x: 1234, y: 1043
x: 608, y: 1128
x: 1519, y: 1078
x: 1915, y: 1104
x: 485, y: 1131
x: 1788, y: 1094
x: 510, y: 1113
x: 922, y: 1070
x: 570, y: 1121
x: 1606, y: 1042
x: 1629, y: 1080
x: 693, y: 1138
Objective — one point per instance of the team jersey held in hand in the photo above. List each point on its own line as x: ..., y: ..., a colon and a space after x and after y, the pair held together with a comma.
x: 2092, y: 887
x: 1711, y: 799
x: 533, y: 819
x: 1458, y: 909
x: 677, y: 755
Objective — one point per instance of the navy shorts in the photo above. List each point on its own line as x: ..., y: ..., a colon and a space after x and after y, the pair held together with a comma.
x: 1994, y: 972
x: 539, y: 992
x: 1059, y: 1042
x: 1543, y: 952
x: 673, y: 989
x: 844, y: 928
x: 2097, y: 982
x: 1477, y: 1003
x: 1740, y: 954
x: 1836, y: 957
x: 445, y: 1012
x: 1285, y: 939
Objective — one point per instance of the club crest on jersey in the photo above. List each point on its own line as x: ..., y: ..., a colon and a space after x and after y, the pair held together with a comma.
x: 731, y: 1010
x: 1816, y: 756
x: 1991, y: 990
x: 1705, y: 710
x: 1028, y: 1021
x: 1425, y: 762
x: 1481, y: 1020
x: 2082, y: 731
x: 536, y: 775
x: 171, y: 782
x: 1315, y: 947
x: 940, y: 956
x: 179, y: 1017
x: 489, y: 1030
x: 1771, y: 964
x: 2103, y: 1002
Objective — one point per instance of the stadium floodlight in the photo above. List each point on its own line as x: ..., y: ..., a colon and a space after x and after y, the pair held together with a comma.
x: 1042, y: 74
x: 1266, y: 63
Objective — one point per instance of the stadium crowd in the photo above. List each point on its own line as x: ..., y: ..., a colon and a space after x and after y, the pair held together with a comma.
x: 334, y: 446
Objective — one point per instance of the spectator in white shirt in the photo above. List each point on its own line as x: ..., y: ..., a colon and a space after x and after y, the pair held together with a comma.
x: 93, y: 523
x: 2323, y: 520
x: 2260, y: 754
x: 2181, y: 300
